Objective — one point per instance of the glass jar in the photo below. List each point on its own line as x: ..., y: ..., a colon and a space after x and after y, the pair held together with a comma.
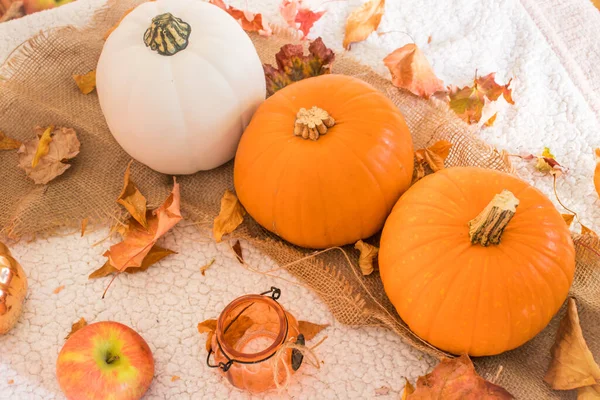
x: 249, y: 342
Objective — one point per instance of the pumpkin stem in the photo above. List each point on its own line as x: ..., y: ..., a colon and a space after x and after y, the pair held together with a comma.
x: 310, y: 124
x: 167, y: 35
x: 487, y: 227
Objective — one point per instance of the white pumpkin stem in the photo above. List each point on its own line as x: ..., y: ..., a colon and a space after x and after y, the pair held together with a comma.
x: 310, y: 124
x: 167, y: 35
x: 488, y: 226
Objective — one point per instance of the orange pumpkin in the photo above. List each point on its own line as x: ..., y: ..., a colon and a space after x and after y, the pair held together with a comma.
x: 465, y: 271
x: 323, y: 161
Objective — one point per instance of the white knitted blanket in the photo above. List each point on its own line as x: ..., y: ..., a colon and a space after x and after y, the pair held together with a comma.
x: 550, y: 47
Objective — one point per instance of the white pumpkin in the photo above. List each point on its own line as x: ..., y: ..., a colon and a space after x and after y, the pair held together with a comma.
x: 178, y: 82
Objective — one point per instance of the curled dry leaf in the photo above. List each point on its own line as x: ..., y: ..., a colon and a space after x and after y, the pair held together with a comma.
x: 76, y: 326
x: 456, y: 379
x: 155, y: 254
x: 475, y: 104
x: 588, y: 393
x: 58, y: 289
x: 237, y: 249
x: 310, y: 330
x: 86, y: 82
x: 434, y: 156
x: 411, y: 71
x: 596, y: 171
x: 7, y: 143
x: 363, y: 21
x: 207, y: 266
x: 250, y: 22
x: 53, y: 149
x: 367, y: 256
x: 132, y: 199
x: 293, y: 65
x: 230, y: 216
x: 408, y: 389
x: 572, y: 365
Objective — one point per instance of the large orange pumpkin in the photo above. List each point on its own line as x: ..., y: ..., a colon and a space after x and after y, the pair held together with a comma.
x: 481, y: 285
x: 323, y: 161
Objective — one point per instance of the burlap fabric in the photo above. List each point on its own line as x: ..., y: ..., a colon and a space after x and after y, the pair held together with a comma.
x: 36, y: 88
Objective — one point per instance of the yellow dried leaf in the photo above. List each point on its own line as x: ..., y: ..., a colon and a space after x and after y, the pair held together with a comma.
x: 597, y: 172
x: 363, y: 21
x: 86, y: 82
x: 547, y: 153
x: 43, y: 146
x: 572, y: 365
x: 175, y: 378
x: 207, y: 266
x: 230, y: 216
x: 84, y: 224
x: 588, y: 393
x: 568, y: 218
x: 76, y: 326
x: 367, y: 256
x: 310, y: 330
x: 542, y: 165
x: 58, y: 289
x: 7, y: 143
x: 132, y: 199
x: 408, y: 389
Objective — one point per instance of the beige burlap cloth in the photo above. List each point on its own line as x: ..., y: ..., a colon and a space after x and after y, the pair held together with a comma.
x: 36, y: 88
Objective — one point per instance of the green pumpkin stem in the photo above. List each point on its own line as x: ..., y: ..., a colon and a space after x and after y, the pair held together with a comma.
x: 167, y: 35
x: 488, y: 226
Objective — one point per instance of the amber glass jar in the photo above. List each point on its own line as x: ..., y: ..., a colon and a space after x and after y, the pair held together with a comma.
x: 246, y: 345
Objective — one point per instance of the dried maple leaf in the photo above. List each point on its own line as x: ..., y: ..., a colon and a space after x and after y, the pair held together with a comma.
x: 86, y: 82
x: 588, y: 393
x: 132, y: 199
x: 7, y: 143
x: 237, y: 249
x: 568, y: 218
x: 175, y: 378
x: 58, y: 289
x: 155, y: 254
x: 363, y: 21
x: 138, y: 241
x: 411, y: 71
x: 408, y: 389
x: 456, y: 379
x: 475, y: 104
x: 76, y: 326
x: 433, y: 156
x: 572, y: 365
x: 250, y: 22
x: 310, y: 330
x: 62, y: 146
x: 307, y: 18
x: 84, y: 224
x: 293, y: 65
x: 231, y: 215
x: 207, y: 266
x: 367, y: 256
x: 596, y: 171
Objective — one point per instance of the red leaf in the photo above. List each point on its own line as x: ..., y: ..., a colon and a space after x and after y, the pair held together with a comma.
x: 307, y: 19
x: 250, y: 22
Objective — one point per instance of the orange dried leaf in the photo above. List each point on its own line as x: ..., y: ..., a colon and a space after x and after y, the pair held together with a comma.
x: 237, y: 249
x: 210, y: 325
x: 367, y: 256
x: 293, y: 65
x: 572, y: 365
x: 568, y: 218
x: 310, y: 330
x: 588, y: 393
x: 86, y: 82
x: 155, y: 254
x: 250, y: 22
x: 455, y: 379
x: 76, y: 326
x: 84, y: 224
x: 58, y: 289
x: 363, y: 21
x: 230, y: 216
x: 408, y: 389
x: 587, y: 231
x: 55, y: 148
x: 207, y: 266
x: 11, y: 381
x: 596, y: 171
x: 132, y: 199
x: 411, y: 71
x: 434, y: 156
x: 175, y: 378
x: 7, y: 143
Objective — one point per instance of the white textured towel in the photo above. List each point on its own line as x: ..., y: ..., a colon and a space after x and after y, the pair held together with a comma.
x: 550, y: 47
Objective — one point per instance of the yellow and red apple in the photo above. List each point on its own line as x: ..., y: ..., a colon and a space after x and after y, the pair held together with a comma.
x: 32, y: 6
x: 105, y: 360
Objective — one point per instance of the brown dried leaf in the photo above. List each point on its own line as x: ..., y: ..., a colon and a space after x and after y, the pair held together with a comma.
x: 132, y: 199
x: 434, y: 156
x: 363, y: 21
x: 310, y: 330
x: 7, y: 143
x: 411, y: 70
x: 596, y: 171
x: 86, y: 82
x: 588, y: 393
x: 207, y: 266
x: 175, y: 378
x: 230, y: 216
x: 455, y: 379
x: 58, y: 289
x: 155, y: 254
x: 408, y: 389
x: 367, y: 256
x: 62, y: 146
x: 572, y: 365
x: 237, y: 249
x: 293, y: 65
x: 76, y: 326
x: 209, y: 326
x: 568, y: 218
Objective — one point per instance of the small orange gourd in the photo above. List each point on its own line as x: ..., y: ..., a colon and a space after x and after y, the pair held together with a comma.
x: 323, y: 161
x: 476, y: 261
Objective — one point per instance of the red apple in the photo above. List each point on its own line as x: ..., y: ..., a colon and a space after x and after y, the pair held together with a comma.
x: 32, y: 6
x: 105, y: 360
